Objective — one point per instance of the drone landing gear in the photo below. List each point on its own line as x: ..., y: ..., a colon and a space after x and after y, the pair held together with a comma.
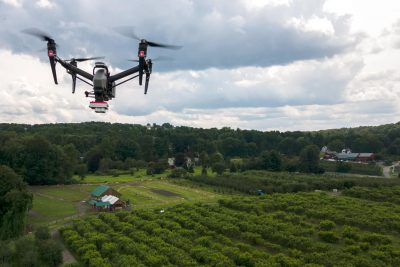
x: 99, y: 107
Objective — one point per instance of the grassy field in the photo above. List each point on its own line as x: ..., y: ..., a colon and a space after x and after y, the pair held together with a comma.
x: 122, y: 178
x: 162, y: 193
x: 55, y: 205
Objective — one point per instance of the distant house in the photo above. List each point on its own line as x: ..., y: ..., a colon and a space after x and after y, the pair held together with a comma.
x: 104, y: 198
x: 347, y: 155
x: 171, y: 162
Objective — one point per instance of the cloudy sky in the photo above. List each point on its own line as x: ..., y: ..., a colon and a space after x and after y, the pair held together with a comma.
x: 250, y: 64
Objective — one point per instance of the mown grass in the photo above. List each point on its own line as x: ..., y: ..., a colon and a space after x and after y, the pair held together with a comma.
x: 53, y: 203
x: 141, y: 195
x: 45, y: 210
x: 120, y: 178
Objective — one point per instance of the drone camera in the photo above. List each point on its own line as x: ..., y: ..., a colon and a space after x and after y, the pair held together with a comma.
x: 99, y: 107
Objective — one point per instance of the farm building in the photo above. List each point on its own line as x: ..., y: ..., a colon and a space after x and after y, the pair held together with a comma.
x: 103, y: 190
x: 347, y: 155
x: 104, y: 198
x: 366, y: 157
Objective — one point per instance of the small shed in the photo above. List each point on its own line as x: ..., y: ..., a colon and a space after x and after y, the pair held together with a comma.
x: 104, y: 198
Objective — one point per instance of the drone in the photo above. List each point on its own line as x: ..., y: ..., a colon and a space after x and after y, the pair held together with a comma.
x: 103, y: 83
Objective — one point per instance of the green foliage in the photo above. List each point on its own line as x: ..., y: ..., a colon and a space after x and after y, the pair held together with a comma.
x: 156, y: 167
x: 49, y: 154
x: 249, y: 182
x: 343, y: 167
x: 178, y: 172
x: 351, y: 167
x: 328, y: 236
x: 304, y: 229
x: 5, y: 254
x: 218, y: 167
x: 327, y: 225
x: 271, y: 160
x: 309, y: 160
x: 42, y: 233
x: 50, y: 253
x: 26, y: 252
x: 383, y: 194
x: 15, y: 201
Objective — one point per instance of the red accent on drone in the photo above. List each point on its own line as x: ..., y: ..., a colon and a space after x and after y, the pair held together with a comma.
x: 141, y: 54
x: 51, y: 53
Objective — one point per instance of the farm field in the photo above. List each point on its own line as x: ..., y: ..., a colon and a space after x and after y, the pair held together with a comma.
x: 122, y: 178
x: 249, y: 182
x: 296, y: 229
x: 57, y: 204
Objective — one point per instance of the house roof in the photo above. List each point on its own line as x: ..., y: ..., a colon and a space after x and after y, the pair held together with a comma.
x: 110, y: 199
x: 99, y: 203
x: 347, y: 155
x: 99, y: 190
x: 102, y: 204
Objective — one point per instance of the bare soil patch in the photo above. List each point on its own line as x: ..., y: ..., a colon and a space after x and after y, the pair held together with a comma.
x: 165, y: 193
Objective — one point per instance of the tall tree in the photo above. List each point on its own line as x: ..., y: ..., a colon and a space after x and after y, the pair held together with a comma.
x: 15, y: 200
x: 309, y: 159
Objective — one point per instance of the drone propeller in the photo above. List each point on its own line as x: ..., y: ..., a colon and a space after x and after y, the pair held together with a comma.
x: 51, y: 48
x: 142, y: 51
x: 130, y: 33
x: 83, y: 59
x: 38, y: 33
x: 160, y: 58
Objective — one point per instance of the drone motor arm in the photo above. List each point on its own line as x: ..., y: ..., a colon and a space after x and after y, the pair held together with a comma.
x: 52, y: 53
x: 75, y: 70
x: 123, y: 74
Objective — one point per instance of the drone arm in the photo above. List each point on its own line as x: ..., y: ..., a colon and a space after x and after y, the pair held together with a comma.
x: 74, y: 69
x: 123, y: 74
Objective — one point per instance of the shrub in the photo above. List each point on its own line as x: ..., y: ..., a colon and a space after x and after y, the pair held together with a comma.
x: 326, y: 225
x: 178, y: 172
x: 42, y: 233
x: 50, y: 253
x: 328, y: 236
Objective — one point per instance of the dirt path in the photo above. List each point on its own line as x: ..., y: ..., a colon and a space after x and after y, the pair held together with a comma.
x: 66, y: 254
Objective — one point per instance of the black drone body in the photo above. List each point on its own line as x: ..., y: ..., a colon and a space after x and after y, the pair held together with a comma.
x: 103, y: 83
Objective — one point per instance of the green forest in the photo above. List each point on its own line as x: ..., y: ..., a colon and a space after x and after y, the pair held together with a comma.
x: 53, y: 153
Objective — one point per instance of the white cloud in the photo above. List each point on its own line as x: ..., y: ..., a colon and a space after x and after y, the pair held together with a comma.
x: 371, y: 17
x: 45, y: 4
x: 14, y: 3
x: 268, y: 65
x: 313, y: 24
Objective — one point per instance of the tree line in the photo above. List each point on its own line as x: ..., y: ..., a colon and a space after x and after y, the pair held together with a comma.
x: 52, y: 153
